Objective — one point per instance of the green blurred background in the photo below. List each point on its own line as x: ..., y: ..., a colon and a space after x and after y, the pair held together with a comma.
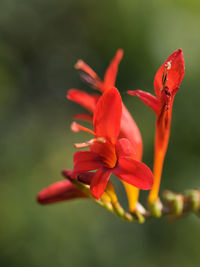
x: 40, y: 41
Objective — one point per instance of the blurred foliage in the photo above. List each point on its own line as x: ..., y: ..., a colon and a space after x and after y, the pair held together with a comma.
x: 39, y: 43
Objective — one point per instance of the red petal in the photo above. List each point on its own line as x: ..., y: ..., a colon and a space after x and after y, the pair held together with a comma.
x: 148, y: 99
x: 99, y: 182
x: 83, y: 117
x: 111, y: 72
x: 107, y: 115
x: 134, y: 172
x: 124, y: 148
x: 59, y: 191
x: 130, y: 130
x: 86, y: 161
x: 83, y: 99
x: 175, y: 68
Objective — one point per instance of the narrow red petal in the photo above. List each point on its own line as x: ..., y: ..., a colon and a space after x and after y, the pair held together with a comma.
x: 86, y: 161
x: 148, y: 99
x: 175, y: 68
x: 99, y: 182
x: 111, y: 72
x: 83, y: 117
x: 82, y: 98
x: 124, y: 148
x: 107, y: 115
x: 59, y: 191
x: 134, y: 172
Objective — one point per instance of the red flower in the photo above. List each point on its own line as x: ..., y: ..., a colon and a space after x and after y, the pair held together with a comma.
x: 166, y: 85
x: 107, y: 154
x: 128, y: 127
x: 60, y: 191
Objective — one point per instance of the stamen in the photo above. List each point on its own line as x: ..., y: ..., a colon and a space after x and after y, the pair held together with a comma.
x: 75, y: 127
x: 90, y: 142
x: 81, y: 65
x: 89, y: 80
x: 168, y: 65
x: 164, y: 78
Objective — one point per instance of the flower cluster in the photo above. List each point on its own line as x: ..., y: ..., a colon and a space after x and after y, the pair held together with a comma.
x: 116, y: 144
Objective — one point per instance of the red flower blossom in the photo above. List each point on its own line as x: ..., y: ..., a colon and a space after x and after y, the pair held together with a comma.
x: 128, y: 127
x: 166, y: 85
x: 108, y: 154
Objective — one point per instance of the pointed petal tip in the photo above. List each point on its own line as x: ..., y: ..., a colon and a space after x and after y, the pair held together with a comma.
x: 70, y: 93
x: 40, y: 198
x: 148, y: 99
x: 67, y: 173
x: 120, y: 53
x: 78, y: 65
x: 176, y: 54
x: 179, y: 51
x: 132, y: 92
x: 99, y: 182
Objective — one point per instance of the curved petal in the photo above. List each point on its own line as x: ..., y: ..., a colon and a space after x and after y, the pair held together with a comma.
x: 99, y: 182
x: 86, y: 161
x: 124, y: 148
x: 107, y: 115
x: 111, y: 72
x: 82, y: 98
x: 59, y: 191
x: 148, y: 99
x: 175, y: 69
x: 134, y: 172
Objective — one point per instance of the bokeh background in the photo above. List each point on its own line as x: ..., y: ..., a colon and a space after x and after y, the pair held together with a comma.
x: 40, y: 41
